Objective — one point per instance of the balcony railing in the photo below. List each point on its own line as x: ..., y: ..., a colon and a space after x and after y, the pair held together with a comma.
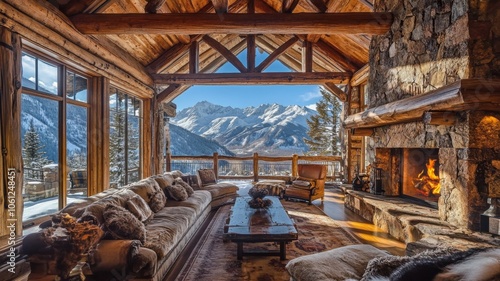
x: 253, y: 167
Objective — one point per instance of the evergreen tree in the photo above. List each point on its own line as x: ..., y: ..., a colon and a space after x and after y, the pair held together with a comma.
x: 117, y: 145
x: 33, y: 153
x: 324, y: 137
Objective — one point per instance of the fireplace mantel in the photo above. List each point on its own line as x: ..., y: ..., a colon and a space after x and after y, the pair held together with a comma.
x: 466, y: 94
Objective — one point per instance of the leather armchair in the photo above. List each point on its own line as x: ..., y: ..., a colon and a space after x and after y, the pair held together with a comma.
x: 310, y: 184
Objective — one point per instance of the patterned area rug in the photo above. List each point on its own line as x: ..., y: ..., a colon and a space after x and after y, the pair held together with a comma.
x: 214, y: 259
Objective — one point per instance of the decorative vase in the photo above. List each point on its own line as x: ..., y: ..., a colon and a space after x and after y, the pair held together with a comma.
x: 258, y: 200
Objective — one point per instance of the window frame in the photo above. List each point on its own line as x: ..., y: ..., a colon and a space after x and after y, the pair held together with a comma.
x: 63, y: 101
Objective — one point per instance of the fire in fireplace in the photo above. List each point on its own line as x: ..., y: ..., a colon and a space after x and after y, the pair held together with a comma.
x: 421, y: 174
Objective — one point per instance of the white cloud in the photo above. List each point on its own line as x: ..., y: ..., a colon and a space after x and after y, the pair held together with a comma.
x: 310, y: 95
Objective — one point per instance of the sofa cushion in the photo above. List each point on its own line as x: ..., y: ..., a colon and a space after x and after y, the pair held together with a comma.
x: 198, y: 201
x: 144, y: 189
x: 164, y: 180
x: 167, y: 228
x: 96, y: 209
x: 221, y: 189
x: 122, y: 224
x: 337, y: 264
x: 186, y: 186
x: 207, y: 176
x: 139, y: 208
x: 192, y: 180
x: 176, y: 192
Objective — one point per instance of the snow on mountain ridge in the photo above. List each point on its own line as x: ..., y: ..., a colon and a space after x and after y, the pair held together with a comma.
x: 265, y: 128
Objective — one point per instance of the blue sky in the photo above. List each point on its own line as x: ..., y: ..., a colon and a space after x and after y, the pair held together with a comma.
x: 250, y: 95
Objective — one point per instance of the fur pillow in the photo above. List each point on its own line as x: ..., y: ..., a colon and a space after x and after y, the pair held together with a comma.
x: 176, y: 192
x: 186, y: 186
x: 139, y: 208
x: 207, y: 176
x: 122, y: 224
x: 158, y: 201
x: 192, y: 180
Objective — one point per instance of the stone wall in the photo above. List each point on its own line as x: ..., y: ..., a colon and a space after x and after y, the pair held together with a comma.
x: 432, y: 44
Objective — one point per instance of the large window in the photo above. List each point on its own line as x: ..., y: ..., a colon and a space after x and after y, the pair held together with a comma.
x: 124, y: 137
x: 54, y: 126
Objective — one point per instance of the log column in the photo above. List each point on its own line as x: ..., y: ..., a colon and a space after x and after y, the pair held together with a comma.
x: 11, y: 164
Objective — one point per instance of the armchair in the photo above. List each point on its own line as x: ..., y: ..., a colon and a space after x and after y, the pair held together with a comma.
x: 310, y: 184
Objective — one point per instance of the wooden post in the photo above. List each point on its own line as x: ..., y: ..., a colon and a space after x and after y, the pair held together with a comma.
x: 11, y: 207
x: 295, y: 163
x: 147, y: 136
x: 216, y: 165
x: 307, y: 56
x: 255, y: 167
x: 251, y: 53
x: 193, y: 57
x: 168, y: 162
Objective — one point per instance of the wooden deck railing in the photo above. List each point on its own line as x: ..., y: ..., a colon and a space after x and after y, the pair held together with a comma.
x: 252, y: 167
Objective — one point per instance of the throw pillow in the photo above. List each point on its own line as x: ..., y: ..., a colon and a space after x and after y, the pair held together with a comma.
x: 207, y: 176
x: 186, y: 186
x: 158, y: 201
x: 176, y: 192
x: 139, y: 208
x: 122, y: 224
x: 192, y: 180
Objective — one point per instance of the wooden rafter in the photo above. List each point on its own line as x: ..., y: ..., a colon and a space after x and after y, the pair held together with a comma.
x: 277, y: 78
x: 360, y: 76
x: 166, y: 92
x: 287, y: 6
x: 335, y: 55
x: 319, y: 4
x: 194, y: 23
x: 220, y: 6
x: 153, y: 6
x: 170, y: 56
x: 75, y: 7
x: 336, y: 91
x: 291, y: 58
x: 225, y: 53
x: 274, y: 55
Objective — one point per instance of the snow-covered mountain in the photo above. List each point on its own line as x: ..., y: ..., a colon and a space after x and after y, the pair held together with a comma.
x: 184, y: 142
x: 269, y: 129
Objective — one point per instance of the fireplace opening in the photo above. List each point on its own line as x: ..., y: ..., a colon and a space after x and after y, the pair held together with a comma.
x: 421, y: 175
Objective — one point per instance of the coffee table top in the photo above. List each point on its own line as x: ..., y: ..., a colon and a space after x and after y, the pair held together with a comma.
x: 254, y: 225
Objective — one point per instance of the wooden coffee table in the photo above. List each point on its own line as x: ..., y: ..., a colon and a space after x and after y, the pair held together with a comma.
x: 248, y: 225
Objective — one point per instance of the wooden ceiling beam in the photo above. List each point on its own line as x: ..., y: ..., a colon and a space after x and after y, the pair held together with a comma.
x: 360, y: 76
x: 290, y: 58
x: 274, y: 55
x: 225, y: 53
x: 195, y: 23
x: 74, y: 7
x: 271, y: 78
x: 166, y: 92
x: 336, y: 91
x: 319, y: 4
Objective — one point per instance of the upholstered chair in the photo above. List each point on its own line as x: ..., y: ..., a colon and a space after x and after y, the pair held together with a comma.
x: 310, y: 184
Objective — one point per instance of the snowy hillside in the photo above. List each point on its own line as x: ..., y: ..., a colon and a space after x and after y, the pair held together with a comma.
x: 269, y: 129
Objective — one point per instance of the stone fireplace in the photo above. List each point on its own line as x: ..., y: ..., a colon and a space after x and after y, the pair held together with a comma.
x: 434, y: 103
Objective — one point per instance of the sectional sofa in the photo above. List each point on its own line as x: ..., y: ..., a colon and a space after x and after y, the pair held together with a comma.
x: 145, y: 226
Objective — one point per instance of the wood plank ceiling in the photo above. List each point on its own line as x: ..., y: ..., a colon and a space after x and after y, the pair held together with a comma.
x: 179, y: 53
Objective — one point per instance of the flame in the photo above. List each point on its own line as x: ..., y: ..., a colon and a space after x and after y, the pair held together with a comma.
x: 427, y: 181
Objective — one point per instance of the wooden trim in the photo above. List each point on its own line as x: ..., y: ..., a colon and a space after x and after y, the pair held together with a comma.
x: 274, y: 55
x: 336, y: 91
x: 307, y: 56
x: 225, y: 53
x: 195, y: 23
x: 361, y: 76
x: 103, y: 182
x: 466, y: 94
x: 362, y: 132
x: 278, y: 78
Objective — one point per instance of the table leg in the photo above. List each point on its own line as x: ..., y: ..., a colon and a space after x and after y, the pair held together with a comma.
x: 282, y: 250
x: 239, y: 252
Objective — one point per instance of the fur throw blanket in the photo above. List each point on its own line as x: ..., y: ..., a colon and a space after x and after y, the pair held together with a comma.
x: 480, y: 264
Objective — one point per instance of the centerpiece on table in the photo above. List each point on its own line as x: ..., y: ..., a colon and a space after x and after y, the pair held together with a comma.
x: 258, y: 200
